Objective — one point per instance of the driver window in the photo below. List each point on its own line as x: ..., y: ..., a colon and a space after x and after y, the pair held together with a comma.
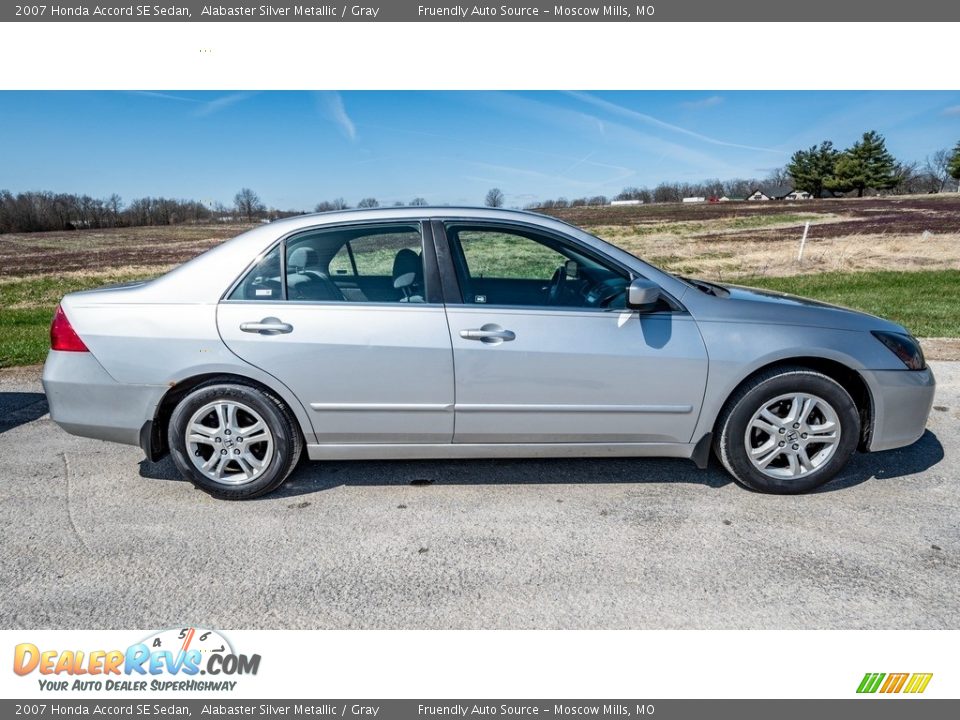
x: 514, y: 267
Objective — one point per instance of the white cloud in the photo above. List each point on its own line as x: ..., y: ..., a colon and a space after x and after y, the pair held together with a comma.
x: 656, y: 122
x: 703, y: 104
x: 221, y: 103
x: 332, y: 106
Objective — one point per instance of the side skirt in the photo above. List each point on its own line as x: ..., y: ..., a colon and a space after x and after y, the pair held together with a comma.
x: 496, y: 450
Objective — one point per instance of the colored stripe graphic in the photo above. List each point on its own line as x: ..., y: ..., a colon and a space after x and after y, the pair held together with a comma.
x: 870, y: 682
x: 918, y: 683
x: 894, y: 683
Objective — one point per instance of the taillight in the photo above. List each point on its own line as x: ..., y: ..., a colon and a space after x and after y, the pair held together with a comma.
x: 62, y: 335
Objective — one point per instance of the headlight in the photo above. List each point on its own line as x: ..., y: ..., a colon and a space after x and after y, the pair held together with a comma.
x: 904, y: 347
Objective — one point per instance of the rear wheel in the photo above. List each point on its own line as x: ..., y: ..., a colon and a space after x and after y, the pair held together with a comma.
x: 788, y: 430
x: 234, y: 441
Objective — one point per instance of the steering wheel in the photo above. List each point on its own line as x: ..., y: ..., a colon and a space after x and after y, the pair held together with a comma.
x: 558, y: 284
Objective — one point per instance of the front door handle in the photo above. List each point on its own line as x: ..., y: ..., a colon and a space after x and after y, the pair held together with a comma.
x: 267, y: 326
x: 491, y: 334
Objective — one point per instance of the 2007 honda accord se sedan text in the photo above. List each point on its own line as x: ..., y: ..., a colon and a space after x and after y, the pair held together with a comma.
x: 471, y: 333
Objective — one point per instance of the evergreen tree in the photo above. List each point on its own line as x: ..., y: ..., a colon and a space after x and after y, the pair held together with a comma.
x: 868, y: 164
x: 811, y: 169
x: 953, y: 167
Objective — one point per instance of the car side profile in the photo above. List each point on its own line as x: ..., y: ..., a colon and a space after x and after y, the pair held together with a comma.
x: 471, y: 333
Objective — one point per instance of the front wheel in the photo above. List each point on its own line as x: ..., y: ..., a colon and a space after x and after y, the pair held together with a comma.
x: 233, y: 441
x: 787, y: 431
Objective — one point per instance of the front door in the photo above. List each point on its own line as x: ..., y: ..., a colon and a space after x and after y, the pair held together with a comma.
x: 546, y: 351
x: 343, y: 317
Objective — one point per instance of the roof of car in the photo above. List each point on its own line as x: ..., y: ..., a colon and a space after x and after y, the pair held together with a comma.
x: 414, y: 211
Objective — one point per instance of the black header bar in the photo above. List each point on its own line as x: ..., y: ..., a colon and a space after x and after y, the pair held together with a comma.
x: 860, y: 11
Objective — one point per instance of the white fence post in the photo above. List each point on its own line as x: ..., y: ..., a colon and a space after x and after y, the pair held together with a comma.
x: 803, y: 241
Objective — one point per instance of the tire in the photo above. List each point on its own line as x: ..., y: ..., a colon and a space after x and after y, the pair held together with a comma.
x: 243, y: 442
x: 787, y: 413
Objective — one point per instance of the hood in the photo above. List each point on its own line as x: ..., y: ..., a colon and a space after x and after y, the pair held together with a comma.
x: 746, y: 304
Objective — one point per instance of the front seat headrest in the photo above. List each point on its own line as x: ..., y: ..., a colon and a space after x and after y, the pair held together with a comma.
x: 304, y: 257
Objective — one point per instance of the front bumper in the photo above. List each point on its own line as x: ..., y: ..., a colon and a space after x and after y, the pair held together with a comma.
x: 901, y: 402
x: 84, y: 400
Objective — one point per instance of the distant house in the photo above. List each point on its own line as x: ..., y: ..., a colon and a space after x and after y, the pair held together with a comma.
x: 626, y: 202
x: 694, y: 199
x: 775, y: 193
x: 799, y: 195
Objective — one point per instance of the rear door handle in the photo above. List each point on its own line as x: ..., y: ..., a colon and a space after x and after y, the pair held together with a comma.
x: 267, y: 326
x: 491, y: 334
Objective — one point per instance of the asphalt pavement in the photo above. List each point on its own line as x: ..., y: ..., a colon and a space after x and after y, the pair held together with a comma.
x: 94, y: 536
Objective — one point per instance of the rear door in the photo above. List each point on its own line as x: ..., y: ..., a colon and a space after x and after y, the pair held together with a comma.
x: 545, y: 350
x: 369, y: 356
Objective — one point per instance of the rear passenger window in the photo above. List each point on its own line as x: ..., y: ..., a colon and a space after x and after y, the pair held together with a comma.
x: 375, y: 264
x: 263, y: 282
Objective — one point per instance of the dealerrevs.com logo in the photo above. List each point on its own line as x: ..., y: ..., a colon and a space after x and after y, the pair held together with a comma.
x: 909, y: 683
x: 167, y: 660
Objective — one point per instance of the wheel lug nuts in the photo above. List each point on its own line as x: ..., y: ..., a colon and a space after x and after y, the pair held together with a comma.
x: 236, y: 452
x: 216, y: 439
x: 803, y: 435
x: 782, y: 430
x: 796, y: 425
x: 227, y: 432
x: 782, y: 443
x: 240, y: 439
x: 223, y: 452
x: 796, y: 447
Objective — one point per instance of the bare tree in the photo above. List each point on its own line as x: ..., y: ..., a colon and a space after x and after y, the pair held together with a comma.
x: 248, y: 204
x: 778, y: 177
x: 418, y: 202
x: 368, y: 202
x: 494, y: 198
x: 340, y: 204
x: 936, y: 170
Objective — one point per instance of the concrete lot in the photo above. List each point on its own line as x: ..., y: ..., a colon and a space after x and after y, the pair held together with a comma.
x: 93, y: 536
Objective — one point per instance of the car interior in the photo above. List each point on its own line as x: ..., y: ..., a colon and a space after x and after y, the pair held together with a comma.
x: 516, y: 267
x: 365, y: 264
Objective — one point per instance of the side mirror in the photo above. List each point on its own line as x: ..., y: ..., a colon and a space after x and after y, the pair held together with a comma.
x: 642, y: 294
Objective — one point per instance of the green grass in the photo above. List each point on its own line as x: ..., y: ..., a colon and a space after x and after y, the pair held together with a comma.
x: 926, y: 303
x: 755, y: 221
x: 25, y: 336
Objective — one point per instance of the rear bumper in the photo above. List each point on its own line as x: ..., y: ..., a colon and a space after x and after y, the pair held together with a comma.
x: 902, y: 400
x: 84, y: 400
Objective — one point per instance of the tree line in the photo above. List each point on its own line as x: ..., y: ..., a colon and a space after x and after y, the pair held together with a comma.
x: 866, y: 166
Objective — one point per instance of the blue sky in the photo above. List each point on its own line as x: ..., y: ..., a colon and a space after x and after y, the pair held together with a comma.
x: 297, y: 148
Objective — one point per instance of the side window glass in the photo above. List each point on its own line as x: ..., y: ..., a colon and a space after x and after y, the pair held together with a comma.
x: 263, y: 281
x: 517, y: 267
x: 375, y: 264
x: 494, y: 254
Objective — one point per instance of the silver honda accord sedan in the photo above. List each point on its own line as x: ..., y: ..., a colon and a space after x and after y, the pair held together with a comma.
x: 471, y: 333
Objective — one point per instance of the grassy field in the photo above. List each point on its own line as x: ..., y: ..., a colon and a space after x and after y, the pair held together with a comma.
x: 926, y: 303
x: 899, y: 258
